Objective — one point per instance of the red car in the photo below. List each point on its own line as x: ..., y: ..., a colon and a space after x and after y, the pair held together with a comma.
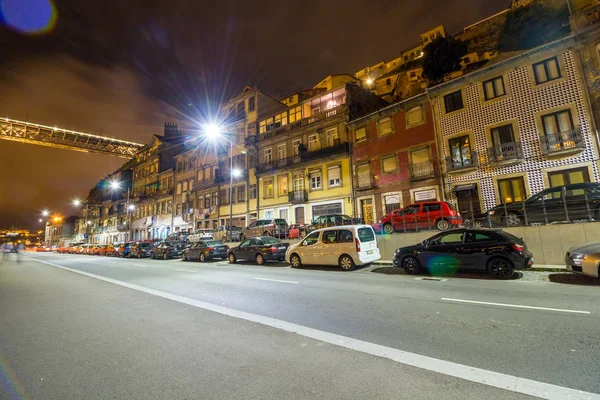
x: 296, y: 231
x: 438, y: 214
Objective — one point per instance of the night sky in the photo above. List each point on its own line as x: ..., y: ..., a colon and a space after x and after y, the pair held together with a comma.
x: 122, y: 68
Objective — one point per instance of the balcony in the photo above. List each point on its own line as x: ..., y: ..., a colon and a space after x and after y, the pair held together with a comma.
x: 123, y: 227
x: 164, y: 192
x: 505, y: 153
x: 364, y: 181
x: 298, y: 196
x: 305, y: 156
x: 468, y: 162
x: 563, y: 143
x: 275, y: 165
x: 422, y: 170
x: 205, y: 184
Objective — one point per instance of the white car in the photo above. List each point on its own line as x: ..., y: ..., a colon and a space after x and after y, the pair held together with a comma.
x: 201, y: 234
x: 346, y: 246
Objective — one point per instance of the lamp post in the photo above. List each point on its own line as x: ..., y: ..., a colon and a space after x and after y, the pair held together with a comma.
x: 116, y: 185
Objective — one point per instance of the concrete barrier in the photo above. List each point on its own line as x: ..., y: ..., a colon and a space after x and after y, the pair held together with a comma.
x: 548, y: 243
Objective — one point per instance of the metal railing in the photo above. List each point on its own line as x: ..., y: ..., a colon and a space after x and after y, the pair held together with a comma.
x: 468, y: 160
x: 563, y: 141
x: 305, y: 156
x: 422, y: 170
x: 205, y: 184
x: 509, y: 151
x: 298, y: 196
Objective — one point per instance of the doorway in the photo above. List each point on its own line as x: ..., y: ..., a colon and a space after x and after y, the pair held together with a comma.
x: 299, y: 214
x: 366, y: 207
x: 467, y: 197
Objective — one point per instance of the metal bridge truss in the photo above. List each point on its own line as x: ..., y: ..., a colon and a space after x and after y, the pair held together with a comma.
x: 26, y: 132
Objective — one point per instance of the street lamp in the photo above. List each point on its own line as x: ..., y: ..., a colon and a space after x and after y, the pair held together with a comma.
x: 116, y: 185
x: 76, y: 202
x: 41, y: 220
x: 45, y: 213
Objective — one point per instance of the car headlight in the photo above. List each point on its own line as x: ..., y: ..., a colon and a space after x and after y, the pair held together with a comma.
x: 491, y: 212
x: 578, y: 258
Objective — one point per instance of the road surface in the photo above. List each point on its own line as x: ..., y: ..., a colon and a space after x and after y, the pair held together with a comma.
x: 95, y: 327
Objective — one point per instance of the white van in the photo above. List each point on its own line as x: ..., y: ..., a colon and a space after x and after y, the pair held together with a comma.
x: 346, y: 246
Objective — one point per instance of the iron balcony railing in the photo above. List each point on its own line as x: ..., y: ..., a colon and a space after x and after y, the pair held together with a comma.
x: 303, y: 157
x: 298, y: 196
x: 563, y: 141
x: 422, y: 170
x: 364, y: 181
x: 509, y: 151
x: 205, y: 184
x: 462, y: 161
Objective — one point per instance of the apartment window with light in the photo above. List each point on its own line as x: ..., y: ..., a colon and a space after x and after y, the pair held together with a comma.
x: 185, y: 186
x: 415, y: 116
x: 268, y: 156
x: 460, y: 150
x: 313, y: 142
x: 332, y: 137
x: 315, y: 180
x: 295, y: 114
x: 494, y: 88
x: 453, y: 101
x: 360, y: 134
x: 215, y: 199
x: 298, y: 181
x: 281, y: 120
x: 389, y: 163
x: 512, y: 189
x: 334, y: 176
x: 384, y: 126
x: 546, y: 71
x: 296, y: 146
x: 268, y: 188
x: 282, y: 182
x: 179, y: 188
x: 281, y: 152
x: 252, y: 192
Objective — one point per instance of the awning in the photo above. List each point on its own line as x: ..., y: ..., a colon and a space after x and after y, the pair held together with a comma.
x: 460, y: 188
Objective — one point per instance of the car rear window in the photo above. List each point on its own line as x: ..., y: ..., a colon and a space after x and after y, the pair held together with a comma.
x: 366, y: 234
x: 268, y: 240
x: 280, y: 222
x: 212, y: 243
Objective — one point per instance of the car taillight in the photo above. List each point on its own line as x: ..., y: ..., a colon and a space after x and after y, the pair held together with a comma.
x: 453, y: 212
x: 357, y: 245
x: 273, y: 249
x: 211, y: 248
x: 517, y: 247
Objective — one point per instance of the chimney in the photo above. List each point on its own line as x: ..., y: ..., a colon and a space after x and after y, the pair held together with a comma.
x: 171, y: 129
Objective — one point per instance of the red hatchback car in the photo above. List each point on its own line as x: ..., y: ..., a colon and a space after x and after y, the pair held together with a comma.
x: 438, y: 214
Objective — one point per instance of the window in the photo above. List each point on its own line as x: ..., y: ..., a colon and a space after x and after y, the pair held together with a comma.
x: 296, y: 146
x: 453, y: 101
x: 512, y: 189
x: 494, y: 88
x: 169, y: 207
x: 282, y: 183
x: 179, y: 188
x: 251, y: 104
x: 330, y: 237
x: 366, y: 235
x: 268, y: 188
x: 460, y: 150
x: 415, y: 116
x: 419, y: 156
x: 281, y: 152
x: 311, y: 239
x: 432, y: 207
x: 313, y: 142
x: 389, y: 163
x: 315, y: 180
x: 207, y: 200
x: 241, y: 194
x: 557, y: 122
x: 295, y: 114
x: 252, y: 192
x: 360, y: 135
x: 334, y: 176
x: 298, y: 181
x: 251, y: 129
x: 332, y: 137
x: 479, y: 237
x: 268, y: 156
x: 385, y: 126
x: 215, y: 199
x: 269, y: 214
x: 283, y: 214
x: 388, y: 81
x: 179, y: 166
x: 240, y: 108
x: 184, y: 187
x: 281, y: 119
x: 178, y: 210
x: 449, y: 238
x: 568, y: 177
x: 345, y: 236
x: 546, y: 71
x: 502, y: 135
x: 363, y: 172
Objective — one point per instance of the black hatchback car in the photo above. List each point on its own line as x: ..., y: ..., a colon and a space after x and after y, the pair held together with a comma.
x: 205, y: 250
x: 141, y: 250
x: 498, y: 252
x: 168, y: 249
x: 579, y: 201
x: 260, y: 249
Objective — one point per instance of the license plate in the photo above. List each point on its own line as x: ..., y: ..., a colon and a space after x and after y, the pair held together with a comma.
x: 369, y: 252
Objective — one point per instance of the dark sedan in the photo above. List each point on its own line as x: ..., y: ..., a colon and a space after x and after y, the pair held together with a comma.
x: 260, y: 249
x: 168, y: 249
x: 205, y: 250
x: 141, y: 250
x: 498, y: 252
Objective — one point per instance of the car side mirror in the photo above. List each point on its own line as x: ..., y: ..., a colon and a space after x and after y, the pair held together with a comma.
x: 425, y: 242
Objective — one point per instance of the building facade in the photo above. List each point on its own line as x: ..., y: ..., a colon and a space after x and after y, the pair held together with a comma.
x: 395, y: 158
x: 60, y: 231
x: 515, y: 128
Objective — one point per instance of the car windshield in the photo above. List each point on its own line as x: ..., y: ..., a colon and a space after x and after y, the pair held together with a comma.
x: 366, y: 234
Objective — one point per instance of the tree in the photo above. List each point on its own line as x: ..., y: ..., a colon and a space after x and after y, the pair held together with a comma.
x: 533, y: 25
x: 442, y: 56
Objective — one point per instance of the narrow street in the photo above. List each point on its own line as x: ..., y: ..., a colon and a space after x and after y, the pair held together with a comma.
x: 95, y: 327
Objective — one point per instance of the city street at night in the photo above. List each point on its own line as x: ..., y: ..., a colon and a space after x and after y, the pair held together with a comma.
x: 94, y: 327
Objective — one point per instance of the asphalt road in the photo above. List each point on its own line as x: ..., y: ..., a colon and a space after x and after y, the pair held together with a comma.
x: 171, y: 329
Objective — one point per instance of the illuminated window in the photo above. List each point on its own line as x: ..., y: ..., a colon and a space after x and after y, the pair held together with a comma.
x: 512, y: 189
x: 415, y: 116
x: 334, y: 176
x: 295, y: 114
x: 282, y: 182
x: 360, y: 135
x: 280, y: 120
x: 389, y: 163
x: 385, y: 126
x: 268, y: 188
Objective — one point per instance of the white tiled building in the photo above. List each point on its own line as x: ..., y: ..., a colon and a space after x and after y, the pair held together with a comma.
x: 516, y: 127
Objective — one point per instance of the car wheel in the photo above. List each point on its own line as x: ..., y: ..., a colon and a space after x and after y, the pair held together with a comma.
x: 411, y: 265
x: 260, y: 259
x: 388, y: 228
x: 202, y: 257
x: 443, y: 225
x: 500, y: 268
x: 231, y: 258
x: 512, y: 219
x: 242, y: 237
x: 139, y: 255
x: 183, y: 257
x: 346, y: 263
x: 165, y: 256
x: 477, y: 225
x: 295, y: 261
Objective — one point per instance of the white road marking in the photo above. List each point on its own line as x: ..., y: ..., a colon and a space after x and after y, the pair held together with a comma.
x: 274, y: 280
x: 517, y: 306
x: 465, y: 372
x: 185, y: 270
x: 111, y: 262
x: 141, y: 265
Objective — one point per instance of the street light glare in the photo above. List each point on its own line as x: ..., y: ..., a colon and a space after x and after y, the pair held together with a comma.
x: 41, y: 220
x: 212, y: 130
x: 131, y: 207
x: 115, y: 185
x: 45, y: 213
x: 76, y: 202
x: 236, y: 172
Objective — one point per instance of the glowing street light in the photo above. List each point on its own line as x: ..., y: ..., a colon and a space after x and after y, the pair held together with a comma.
x: 41, y: 220
x: 131, y: 207
x: 369, y: 81
x: 212, y: 131
x: 76, y: 202
x: 236, y: 173
x: 45, y: 213
x: 115, y: 185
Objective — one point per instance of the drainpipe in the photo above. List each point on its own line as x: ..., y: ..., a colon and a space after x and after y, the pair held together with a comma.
x: 440, y: 153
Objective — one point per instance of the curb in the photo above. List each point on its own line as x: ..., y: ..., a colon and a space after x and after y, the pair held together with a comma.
x: 541, y: 268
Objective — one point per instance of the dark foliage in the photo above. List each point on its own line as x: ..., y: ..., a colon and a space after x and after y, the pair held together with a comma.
x: 442, y: 56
